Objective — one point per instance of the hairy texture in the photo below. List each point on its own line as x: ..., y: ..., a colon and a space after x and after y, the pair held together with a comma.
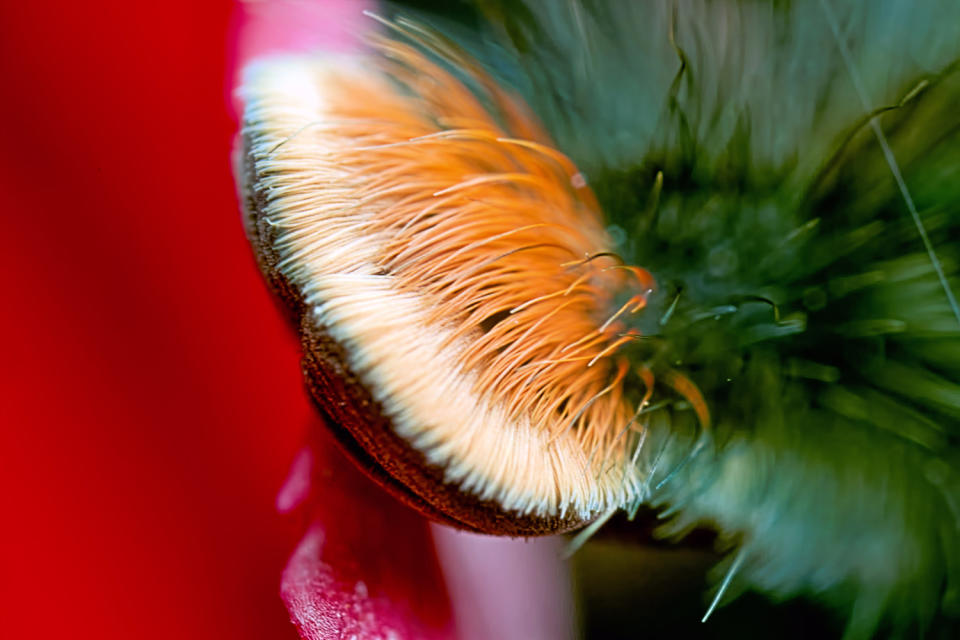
x: 788, y: 171
x: 461, y: 262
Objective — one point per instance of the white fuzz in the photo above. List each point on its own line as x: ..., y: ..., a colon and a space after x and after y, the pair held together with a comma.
x: 328, y: 252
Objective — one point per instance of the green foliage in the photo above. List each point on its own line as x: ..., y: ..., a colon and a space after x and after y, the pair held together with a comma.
x: 736, y: 160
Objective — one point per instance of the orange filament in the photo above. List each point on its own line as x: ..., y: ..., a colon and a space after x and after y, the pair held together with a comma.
x: 691, y: 393
x: 481, y: 217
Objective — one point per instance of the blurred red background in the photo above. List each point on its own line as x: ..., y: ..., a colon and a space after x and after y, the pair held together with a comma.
x: 151, y: 395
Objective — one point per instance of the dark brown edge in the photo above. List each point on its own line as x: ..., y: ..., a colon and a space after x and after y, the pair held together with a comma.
x: 356, y: 420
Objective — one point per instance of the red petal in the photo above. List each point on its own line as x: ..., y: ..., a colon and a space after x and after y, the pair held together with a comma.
x: 366, y: 567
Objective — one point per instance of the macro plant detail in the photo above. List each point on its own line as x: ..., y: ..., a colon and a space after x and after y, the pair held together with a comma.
x: 703, y: 273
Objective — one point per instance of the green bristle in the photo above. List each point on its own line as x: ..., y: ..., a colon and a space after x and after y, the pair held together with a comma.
x: 736, y: 160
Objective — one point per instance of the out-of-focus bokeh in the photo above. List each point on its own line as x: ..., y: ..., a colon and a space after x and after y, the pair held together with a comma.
x: 151, y: 396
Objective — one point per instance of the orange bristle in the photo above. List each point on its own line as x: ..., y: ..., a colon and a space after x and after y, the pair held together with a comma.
x: 494, y: 233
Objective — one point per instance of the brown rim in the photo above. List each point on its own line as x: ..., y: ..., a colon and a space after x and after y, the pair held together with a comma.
x: 357, y: 421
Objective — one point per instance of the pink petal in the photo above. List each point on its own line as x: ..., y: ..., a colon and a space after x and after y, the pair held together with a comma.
x: 509, y: 589
x: 296, y: 488
x: 266, y: 27
x: 366, y: 568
